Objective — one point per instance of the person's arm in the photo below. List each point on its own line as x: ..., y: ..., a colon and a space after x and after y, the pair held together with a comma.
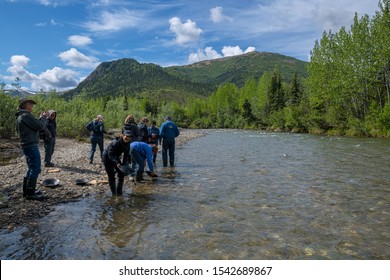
x: 177, y: 131
x: 149, y: 158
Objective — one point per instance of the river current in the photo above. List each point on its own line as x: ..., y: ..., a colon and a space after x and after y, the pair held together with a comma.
x: 233, y: 194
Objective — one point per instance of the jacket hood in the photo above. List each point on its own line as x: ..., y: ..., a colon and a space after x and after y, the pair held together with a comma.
x: 51, y: 112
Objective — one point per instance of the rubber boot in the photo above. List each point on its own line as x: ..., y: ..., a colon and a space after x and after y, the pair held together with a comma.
x: 38, y: 192
x: 119, y: 187
x: 31, y: 184
x: 111, y: 182
x: 165, y: 163
x: 24, y: 186
x: 171, y: 163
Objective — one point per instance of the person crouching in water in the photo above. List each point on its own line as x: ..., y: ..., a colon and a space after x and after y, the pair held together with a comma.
x: 112, y: 160
x: 140, y: 152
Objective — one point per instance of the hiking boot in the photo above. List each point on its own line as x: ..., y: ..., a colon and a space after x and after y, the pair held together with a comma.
x: 49, y: 164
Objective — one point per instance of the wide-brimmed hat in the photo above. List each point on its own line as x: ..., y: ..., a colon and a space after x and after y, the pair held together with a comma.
x: 26, y: 100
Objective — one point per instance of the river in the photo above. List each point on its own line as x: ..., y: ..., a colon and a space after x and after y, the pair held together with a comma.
x: 233, y: 194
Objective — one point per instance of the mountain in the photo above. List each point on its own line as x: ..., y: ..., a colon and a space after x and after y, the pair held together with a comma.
x: 129, y: 77
x: 238, y: 69
x: 19, y: 92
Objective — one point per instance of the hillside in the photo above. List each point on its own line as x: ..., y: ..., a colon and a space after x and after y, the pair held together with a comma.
x: 129, y: 77
x: 237, y: 69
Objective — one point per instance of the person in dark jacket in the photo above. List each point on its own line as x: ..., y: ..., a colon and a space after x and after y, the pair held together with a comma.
x: 168, y: 133
x: 119, y: 147
x: 154, y: 137
x: 131, y: 125
x: 28, y: 128
x: 96, y: 127
x: 50, y: 140
x: 143, y: 130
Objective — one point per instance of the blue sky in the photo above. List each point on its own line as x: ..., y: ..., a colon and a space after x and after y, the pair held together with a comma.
x: 55, y: 44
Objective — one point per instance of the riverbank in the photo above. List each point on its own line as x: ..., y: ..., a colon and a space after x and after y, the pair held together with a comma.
x: 71, y: 163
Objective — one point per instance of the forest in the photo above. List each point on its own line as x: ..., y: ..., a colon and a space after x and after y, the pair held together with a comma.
x: 346, y: 92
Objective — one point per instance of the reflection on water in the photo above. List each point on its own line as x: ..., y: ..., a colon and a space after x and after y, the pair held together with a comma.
x: 233, y: 195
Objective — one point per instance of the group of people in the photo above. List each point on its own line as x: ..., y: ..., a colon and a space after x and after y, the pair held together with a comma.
x: 133, y: 149
x: 127, y: 154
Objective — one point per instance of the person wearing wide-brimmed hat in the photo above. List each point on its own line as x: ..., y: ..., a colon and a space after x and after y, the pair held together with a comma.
x: 28, y: 128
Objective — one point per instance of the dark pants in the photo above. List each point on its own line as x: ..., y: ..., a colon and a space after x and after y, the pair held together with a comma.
x: 111, y: 169
x: 168, y: 148
x: 49, y: 149
x: 96, y: 141
x: 33, y: 158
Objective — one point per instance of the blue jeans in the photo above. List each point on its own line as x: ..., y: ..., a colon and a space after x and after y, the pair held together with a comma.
x: 137, y: 162
x: 33, y: 158
x: 49, y: 149
x: 96, y: 141
x: 168, y: 148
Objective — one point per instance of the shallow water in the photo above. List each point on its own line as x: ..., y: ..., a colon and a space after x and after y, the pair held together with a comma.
x: 233, y: 195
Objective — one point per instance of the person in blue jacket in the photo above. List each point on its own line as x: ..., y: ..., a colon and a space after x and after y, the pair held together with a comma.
x: 96, y: 127
x: 168, y: 133
x: 141, y: 152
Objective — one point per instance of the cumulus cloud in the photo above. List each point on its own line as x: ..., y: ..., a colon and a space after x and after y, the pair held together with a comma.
x: 75, y: 58
x: 79, y: 41
x: 186, y: 32
x: 209, y: 53
x: 56, y: 78
x: 206, y: 54
x: 216, y: 15
x: 232, y: 51
x: 113, y: 21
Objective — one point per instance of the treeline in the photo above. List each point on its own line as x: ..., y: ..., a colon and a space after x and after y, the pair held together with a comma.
x: 347, y: 92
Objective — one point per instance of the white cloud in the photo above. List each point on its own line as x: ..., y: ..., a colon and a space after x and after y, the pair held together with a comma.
x: 75, y: 58
x: 216, y: 15
x: 232, y: 51
x: 19, y: 60
x: 206, y: 54
x: 56, y: 78
x: 79, y: 41
x: 186, y: 32
x: 209, y: 53
x: 113, y: 21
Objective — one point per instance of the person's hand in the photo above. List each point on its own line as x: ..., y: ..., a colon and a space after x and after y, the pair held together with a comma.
x: 43, y: 114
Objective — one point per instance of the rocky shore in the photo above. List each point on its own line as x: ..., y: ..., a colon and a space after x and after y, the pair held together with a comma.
x: 71, y: 163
